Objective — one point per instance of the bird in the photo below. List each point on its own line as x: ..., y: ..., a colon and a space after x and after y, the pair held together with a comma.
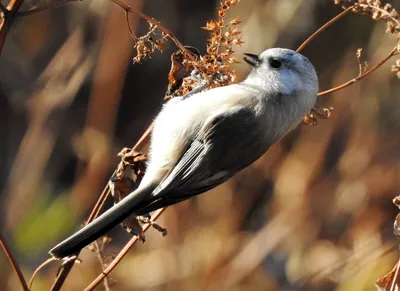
x: 198, y: 143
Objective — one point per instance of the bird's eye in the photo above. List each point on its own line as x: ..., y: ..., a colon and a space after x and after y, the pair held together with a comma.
x: 275, y: 63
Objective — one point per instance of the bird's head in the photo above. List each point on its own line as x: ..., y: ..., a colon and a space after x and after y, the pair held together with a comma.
x: 283, y: 71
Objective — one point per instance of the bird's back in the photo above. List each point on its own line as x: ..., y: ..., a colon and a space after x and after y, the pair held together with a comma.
x: 181, y: 120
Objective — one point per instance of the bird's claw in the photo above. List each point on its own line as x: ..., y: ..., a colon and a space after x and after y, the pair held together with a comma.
x: 147, y: 219
x: 140, y: 236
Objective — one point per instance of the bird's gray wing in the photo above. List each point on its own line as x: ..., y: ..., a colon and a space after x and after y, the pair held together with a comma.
x: 227, y: 143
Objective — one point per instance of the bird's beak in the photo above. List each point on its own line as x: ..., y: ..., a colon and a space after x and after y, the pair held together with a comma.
x: 252, y: 60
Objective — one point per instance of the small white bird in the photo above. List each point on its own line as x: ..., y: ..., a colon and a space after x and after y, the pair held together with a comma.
x: 201, y: 141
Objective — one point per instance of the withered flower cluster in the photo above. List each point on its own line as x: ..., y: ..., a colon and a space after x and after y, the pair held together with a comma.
x: 214, y: 67
x: 147, y: 44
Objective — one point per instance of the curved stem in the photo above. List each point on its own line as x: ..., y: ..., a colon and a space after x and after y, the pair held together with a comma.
x: 151, y: 20
x: 394, y: 51
x: 352, y: 81
x: 100, y: 202
x: 325, y: 26
x: 45, y: 263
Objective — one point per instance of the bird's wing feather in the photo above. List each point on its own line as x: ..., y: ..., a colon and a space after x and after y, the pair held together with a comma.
x: 211, y: 158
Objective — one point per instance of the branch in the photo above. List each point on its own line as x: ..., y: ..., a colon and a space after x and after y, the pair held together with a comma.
x: 151, y: 20
x: 99, y: 253
x: 121, y: 254
x: 45, y: 263
x: 323, y: 27
x: 100, y: 202
x: 63, y: 273
x: 13, y: 263
x: 394, y: 51
x: 352, y: 81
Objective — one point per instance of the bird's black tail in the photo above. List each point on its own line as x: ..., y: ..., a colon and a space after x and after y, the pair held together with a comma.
x: 101, y: 225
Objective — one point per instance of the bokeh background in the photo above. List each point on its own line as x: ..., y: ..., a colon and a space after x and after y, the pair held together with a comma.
x: 314, y: 213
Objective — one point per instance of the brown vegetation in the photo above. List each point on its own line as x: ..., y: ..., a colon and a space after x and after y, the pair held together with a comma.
x: 328, y: 186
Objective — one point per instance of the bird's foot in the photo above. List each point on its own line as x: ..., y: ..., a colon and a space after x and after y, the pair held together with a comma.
x: 133, y: 226
x: 156, y: 226
x: 73, y: 258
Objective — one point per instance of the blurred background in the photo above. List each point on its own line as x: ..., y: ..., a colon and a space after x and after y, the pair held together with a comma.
x: 314, y: 213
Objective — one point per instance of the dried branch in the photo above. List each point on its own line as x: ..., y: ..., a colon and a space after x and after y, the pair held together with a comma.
x: 99, y: 253
x: 323, y: 27
x: 151, y: 20
x: 66, y: 268
x: 63, y: 273
x: 356, y: 9
x: 352, y: 81
x: 121, y: 254
x: 129, y: 26
x: 100, y: 202
x: 375, y: 10
x: 13, y: 263
x: 38, y: 269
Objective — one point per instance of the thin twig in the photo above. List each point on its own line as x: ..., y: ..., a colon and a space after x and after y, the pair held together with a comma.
x: 48, y: 261
x: 129, y: 26
x: 99, y: 253
x: 143, y: 140
x: 323, y: 27
x: 44, y: 7
x: 64, y: 272
x: 394, y: 51
x: 151, y: 20
x: 121, y: 254
x: 13, y: 263
x: 106, y: 191
x: 66, y: 268
x: 99, y: 204
x: 352, y: 81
